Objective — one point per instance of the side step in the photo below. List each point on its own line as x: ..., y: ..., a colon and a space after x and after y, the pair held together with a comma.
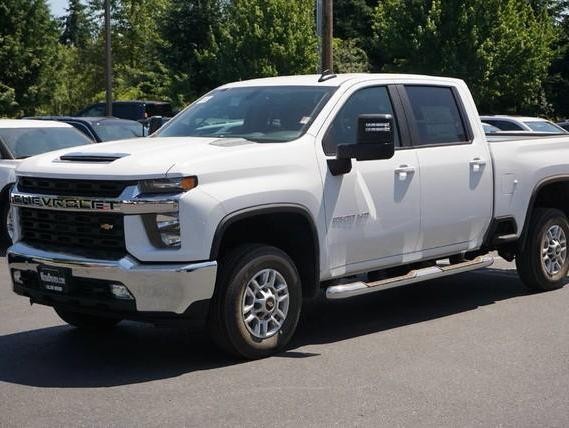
x: 358, y: 288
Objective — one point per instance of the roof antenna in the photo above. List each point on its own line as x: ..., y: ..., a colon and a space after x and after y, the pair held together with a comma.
x: 326, y: 75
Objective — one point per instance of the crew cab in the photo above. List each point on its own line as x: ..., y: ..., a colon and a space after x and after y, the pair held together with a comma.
x: 266, y: 192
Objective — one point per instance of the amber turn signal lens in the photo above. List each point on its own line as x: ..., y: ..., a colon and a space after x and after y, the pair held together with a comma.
x: 188, y: 183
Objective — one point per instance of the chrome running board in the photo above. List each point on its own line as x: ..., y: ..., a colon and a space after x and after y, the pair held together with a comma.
x: 358, y: 288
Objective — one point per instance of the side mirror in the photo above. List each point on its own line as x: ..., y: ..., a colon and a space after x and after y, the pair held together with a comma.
x: 154, y: 123
x: 375, y: 140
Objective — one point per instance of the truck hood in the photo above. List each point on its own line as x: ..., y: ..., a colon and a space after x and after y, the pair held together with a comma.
x: 137, y: 158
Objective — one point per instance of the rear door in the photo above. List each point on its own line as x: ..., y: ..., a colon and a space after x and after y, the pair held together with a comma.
x: 456, y: 170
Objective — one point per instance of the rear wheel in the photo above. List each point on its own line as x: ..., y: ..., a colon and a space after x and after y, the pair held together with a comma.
x: 543, y: 263
x: 86, y: 321
x: 257, y: 303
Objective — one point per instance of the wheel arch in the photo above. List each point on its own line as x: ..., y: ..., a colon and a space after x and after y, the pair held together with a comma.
x: 539, y: 196
x: 304, y: 249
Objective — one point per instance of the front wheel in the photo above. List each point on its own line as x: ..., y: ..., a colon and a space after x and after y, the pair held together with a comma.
x: 257, y: 303
x: 542, y: 263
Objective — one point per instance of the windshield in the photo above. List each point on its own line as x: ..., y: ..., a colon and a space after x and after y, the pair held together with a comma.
x: 271, y: 113
x: 544, y: 126
x: 117, y: 131
x: 26, y: 142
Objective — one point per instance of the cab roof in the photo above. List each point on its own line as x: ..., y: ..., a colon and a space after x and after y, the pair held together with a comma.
x: 338, y: 80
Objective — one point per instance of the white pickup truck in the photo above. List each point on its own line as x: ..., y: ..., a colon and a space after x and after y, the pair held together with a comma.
x: 263, y: 193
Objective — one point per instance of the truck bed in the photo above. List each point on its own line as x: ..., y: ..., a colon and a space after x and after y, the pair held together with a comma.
x: 522, y: 163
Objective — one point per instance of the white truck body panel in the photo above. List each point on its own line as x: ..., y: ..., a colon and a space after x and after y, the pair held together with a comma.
x: 424, y: 203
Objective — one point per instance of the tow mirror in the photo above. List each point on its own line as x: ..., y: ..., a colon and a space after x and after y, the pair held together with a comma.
x: 375, y: 140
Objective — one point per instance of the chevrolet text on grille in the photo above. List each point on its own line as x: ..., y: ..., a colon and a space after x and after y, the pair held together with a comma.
x: 130, y: 206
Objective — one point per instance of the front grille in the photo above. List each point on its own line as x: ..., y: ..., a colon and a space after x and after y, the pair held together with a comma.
x: 91, y: 231
x: 64, y: 187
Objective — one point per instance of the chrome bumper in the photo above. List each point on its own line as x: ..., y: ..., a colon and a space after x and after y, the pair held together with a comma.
x: 164, y: 287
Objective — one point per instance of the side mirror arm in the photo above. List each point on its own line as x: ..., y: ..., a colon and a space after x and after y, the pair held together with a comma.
x: 339, y: 166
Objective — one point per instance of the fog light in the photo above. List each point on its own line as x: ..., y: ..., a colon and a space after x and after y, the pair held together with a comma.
x: 17, y: 276
x: 168, y: 226
x: 121, y: 292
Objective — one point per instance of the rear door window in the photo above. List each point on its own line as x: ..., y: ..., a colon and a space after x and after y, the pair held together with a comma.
x: 437, y: 115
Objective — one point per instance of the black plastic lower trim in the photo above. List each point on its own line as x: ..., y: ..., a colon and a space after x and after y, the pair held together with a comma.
x: 196, y: 314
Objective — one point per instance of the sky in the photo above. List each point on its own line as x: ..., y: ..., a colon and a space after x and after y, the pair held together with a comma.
x: 57, y: 6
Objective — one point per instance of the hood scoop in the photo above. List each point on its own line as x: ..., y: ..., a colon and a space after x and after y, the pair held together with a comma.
x: 230, y: 142
x: 92, y: 157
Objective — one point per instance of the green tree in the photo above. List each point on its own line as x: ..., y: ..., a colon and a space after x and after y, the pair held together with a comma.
x: 188, y: 27
x: 76, y: 25
x: 28, y: 45
x: 261, y: 38
x: 502, y: 48
x: 557, y: 83
x: 349, y: 58
x: 136, y: 43
x: 353, y: 19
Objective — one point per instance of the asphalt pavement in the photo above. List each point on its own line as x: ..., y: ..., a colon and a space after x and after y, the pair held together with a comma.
x: 469, y: 350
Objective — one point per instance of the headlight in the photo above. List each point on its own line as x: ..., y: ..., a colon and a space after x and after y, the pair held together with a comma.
x: 168, y: 227
x: 168, y: 185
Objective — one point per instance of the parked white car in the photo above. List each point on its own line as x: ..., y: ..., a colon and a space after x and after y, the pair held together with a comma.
x: 20, y: 139
x: 266, y: 192
x: 523, y: 124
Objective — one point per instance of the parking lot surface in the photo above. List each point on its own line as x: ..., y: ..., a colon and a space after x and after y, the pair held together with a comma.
x: 469, y: 350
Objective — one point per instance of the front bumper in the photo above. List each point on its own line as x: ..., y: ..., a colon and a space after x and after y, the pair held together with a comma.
x: 165, y: 288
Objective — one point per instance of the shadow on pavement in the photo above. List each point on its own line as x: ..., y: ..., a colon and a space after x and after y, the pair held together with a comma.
x: 133, y: 353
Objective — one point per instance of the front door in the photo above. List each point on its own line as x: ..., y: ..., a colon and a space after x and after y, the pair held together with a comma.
x: 373, y: 212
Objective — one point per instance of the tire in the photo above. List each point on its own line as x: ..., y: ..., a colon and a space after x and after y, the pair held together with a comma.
x: 86, y: 321
x: 4, y: 211
x: 536, y: 272
x: 247, y: 333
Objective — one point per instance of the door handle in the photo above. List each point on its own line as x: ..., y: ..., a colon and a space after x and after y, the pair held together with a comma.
x: 403, y: 171
x: 476, y: 164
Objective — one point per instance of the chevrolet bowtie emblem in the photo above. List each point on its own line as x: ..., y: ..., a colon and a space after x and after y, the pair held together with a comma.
x: 107, y: 226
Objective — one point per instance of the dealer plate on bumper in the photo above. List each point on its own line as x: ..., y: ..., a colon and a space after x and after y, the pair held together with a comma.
x: 54, y: 279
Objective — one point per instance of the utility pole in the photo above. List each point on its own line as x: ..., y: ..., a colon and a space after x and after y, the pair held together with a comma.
x: 108, y: 60
x: 327, y: 19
